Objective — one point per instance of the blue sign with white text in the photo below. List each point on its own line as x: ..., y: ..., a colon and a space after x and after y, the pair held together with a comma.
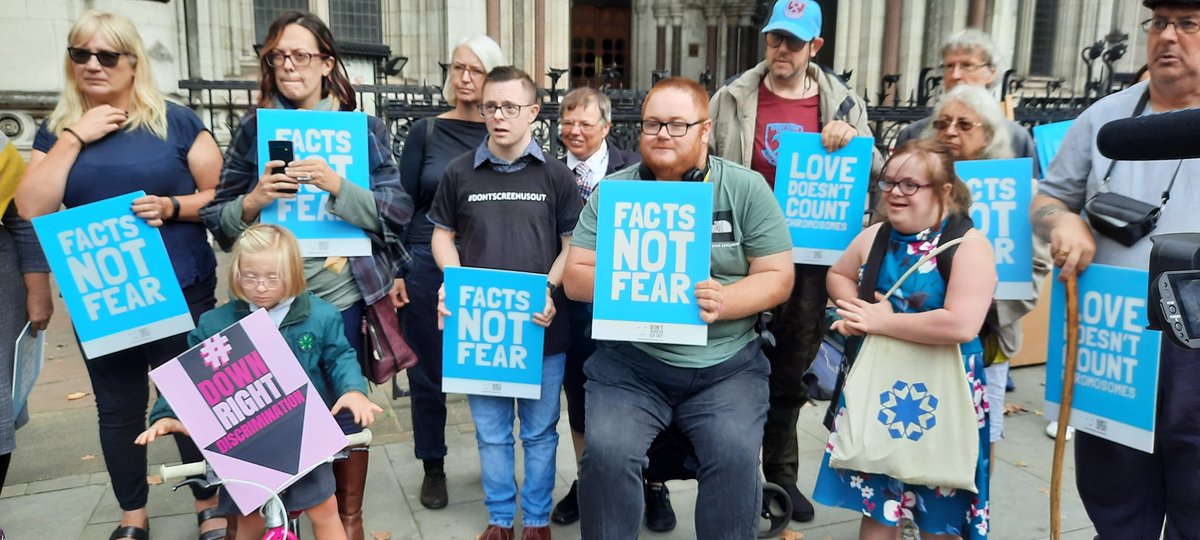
x: 340, y: 139
x: 1001, y: 191
x: 114, y: 274
x: 491, y: 346
x: 653, y: 244
x: 1047, y: 138
x: 823, y: 195
x: 1116, y: 374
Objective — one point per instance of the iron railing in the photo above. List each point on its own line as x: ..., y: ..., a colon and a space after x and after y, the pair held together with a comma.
x: 223, y: 103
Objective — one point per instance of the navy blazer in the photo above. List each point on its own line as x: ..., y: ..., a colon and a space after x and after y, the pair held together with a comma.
x: 617, y: 159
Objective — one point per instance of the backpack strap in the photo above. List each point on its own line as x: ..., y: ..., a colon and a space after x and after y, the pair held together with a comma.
x: 870, y: 276
x: 957, y: 225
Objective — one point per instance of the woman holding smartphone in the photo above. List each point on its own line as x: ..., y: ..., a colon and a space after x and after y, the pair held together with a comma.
x: 300, y: 69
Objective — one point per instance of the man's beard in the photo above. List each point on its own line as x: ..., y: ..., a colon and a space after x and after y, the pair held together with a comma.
x: 673, y: 168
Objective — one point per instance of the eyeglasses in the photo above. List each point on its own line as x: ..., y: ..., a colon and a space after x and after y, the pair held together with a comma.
x: 299, y: 58
x: 674, y: 129
x: 907, y: 187
x: 508, y: 110
x: 106, y: 58
x: 794, y: 43
x: 1159, y: 25
x: 961, y: 124
x: 962, y: 66
x: 586, y: 127
x: 271, y: 283
x: 458, y: 69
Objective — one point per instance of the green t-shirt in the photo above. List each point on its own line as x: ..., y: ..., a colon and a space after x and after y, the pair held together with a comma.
x: 747, y: 222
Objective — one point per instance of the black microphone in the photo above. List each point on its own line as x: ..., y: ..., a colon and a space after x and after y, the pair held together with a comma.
x: 1171, y: 135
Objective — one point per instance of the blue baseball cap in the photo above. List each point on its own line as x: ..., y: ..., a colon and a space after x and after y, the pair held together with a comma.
x: 800, y: 18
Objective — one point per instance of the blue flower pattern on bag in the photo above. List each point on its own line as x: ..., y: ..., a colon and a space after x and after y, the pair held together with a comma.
x: 907, y: 410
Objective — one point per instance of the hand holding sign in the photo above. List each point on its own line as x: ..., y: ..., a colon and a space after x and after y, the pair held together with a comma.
x: 546, y: 317
x: 836, y: 135
x: 710, y: 299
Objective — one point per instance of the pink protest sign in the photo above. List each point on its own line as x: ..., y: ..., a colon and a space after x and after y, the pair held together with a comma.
x: 250, y: 408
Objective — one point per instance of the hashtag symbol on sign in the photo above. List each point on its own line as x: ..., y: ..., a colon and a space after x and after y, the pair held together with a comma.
x: 214, y: 351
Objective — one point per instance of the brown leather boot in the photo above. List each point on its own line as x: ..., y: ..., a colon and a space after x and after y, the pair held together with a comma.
x: 351, y: 475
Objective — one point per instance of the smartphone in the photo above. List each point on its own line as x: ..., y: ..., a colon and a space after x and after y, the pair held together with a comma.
x: 281, y: 151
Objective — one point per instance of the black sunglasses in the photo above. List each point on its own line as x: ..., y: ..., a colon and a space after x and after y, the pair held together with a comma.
x: 106, y: 58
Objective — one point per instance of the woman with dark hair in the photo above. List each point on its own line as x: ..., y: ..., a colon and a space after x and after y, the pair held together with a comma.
x: 300, y: 69
x: 113, y: 132
x: 431, y: 144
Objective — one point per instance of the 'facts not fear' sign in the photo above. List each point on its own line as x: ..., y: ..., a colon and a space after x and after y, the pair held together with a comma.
x: 823, y: 194
x: 491, y: 346
x: 653, y: 244
x: 1001, y: 190
x: 340, y: 139
x: 1116, y: 370
x: 115, y: 275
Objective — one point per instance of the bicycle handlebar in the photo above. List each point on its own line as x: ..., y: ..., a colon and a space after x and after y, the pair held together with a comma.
x: 200, y: 468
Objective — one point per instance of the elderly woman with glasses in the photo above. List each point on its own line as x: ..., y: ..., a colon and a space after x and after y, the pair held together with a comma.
x: 969, y: 122
x: 299, y: 68
x: 111, y: 133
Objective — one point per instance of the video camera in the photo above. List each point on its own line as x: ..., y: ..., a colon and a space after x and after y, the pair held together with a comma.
x: 1175, y: 258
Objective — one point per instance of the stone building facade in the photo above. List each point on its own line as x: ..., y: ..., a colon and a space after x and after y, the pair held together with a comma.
x: 618, y: 43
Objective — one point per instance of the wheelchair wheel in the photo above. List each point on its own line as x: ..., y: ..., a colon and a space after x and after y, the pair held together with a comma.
x: 776, y: 511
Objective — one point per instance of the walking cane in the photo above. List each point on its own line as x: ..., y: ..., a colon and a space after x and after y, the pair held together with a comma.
x: 1064, y: 405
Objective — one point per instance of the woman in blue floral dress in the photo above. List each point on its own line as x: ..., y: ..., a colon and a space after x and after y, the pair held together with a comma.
x: 920, y: 190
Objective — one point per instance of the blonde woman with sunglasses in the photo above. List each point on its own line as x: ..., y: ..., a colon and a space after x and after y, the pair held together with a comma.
x: 111, y: 133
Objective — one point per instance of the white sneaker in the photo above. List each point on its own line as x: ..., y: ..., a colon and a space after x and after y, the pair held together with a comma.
x: 1052, y: 430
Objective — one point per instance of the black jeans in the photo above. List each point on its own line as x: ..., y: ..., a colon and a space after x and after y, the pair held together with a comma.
x: 420, y: 329
x: 121, y: 383
x: 798, y: 333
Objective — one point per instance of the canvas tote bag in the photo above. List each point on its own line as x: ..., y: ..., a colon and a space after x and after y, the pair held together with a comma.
x: 909, y: 412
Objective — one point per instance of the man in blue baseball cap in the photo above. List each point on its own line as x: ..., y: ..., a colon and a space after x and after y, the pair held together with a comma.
x: 788, y: 92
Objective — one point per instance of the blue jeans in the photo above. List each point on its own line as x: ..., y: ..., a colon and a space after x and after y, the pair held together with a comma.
x: 631, y: 397
x: 539, y: 439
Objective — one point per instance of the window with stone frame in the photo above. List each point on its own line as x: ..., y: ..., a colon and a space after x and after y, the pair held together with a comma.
x: 266, y: 11
x: 356, y: 21
x: 1045, y: 26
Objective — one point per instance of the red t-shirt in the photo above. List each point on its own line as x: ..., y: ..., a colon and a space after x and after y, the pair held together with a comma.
x: 777, y: 116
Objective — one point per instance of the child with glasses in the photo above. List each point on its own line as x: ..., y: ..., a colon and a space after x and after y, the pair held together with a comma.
x: 267, y: 273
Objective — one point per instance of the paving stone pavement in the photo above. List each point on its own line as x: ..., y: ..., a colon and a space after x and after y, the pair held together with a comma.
x: 58, y: 488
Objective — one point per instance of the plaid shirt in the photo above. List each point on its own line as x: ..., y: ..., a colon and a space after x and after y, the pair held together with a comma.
x: 373, y: 274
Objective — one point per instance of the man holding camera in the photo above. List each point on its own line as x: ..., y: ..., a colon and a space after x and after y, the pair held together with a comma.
x: 1128, y: 493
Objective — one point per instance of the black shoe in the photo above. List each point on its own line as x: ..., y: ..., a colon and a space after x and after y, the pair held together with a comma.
x: 802, y: 510
x: 566, y: 511
x: 433, y: 491
x: 660, y: 517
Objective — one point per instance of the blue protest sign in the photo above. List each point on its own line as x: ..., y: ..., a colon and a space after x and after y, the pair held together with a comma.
x: 28, y: 359
x: 1116, y: 375
x: 1047, y: 138
x: 1001, y: 190
x: 339, y: 138
x: 114, y: 274
x: 823, y: 194
x: 653, y: 244
x: 491, y: 346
